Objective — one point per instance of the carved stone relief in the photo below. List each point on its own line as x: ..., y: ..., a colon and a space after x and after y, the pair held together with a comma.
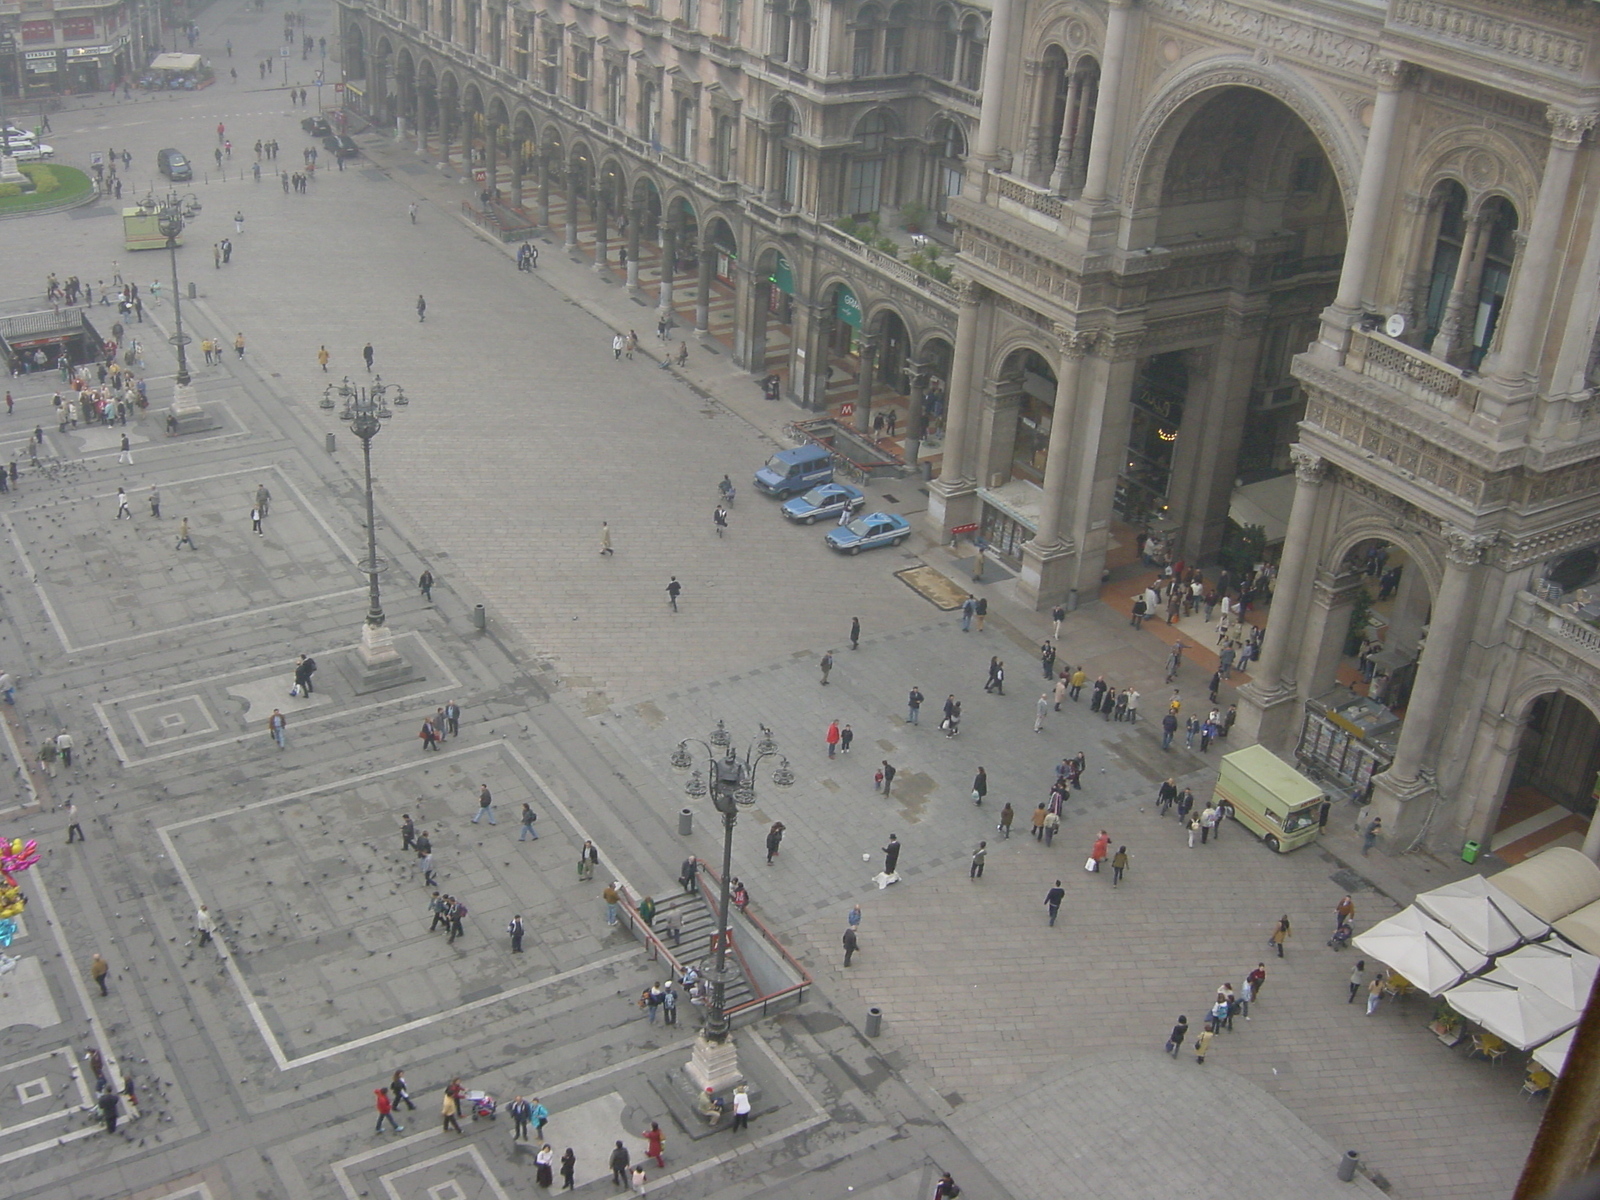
x: 1332, y: 49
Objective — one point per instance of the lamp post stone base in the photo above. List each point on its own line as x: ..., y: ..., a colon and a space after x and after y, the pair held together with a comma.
x: 714, y: 1065
x: 185, y: 415
x: 378, y: 663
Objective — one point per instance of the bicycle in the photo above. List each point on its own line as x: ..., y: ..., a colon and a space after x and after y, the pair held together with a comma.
x: 726, y: 491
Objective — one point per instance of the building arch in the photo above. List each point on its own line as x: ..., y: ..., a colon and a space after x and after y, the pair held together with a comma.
x: 1483, y: 160
x: 1421, y: 551
x: 1166, y: 118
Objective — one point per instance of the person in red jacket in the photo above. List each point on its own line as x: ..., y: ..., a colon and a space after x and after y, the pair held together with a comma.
x: 654, y: 1144
x: 385, y: 1112
x: 1101, y: 845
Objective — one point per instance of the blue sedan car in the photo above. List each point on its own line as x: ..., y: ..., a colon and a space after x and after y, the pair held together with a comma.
x: 825, y: 500
x: 869, y: 532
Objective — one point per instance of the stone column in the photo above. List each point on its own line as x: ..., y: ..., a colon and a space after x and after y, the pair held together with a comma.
x: 635, y: 224
x: 958, y: 400
x: 1325, y: 627
x: 1428, y: 215
x: 868, y: 347
x: 1527, y: 306
x: 669, y: 266
x: 572, y: 209
x: 1061, y: 173
x: 1074, y: 345
x: 749, y: 325
x: 1082, y: 128
x: 544, y: 191
x: 602, y: 243
x: 1096, y: 184
x: 911, y: 443
x: 1266, y: 689
x: 1468, y: 268
x: 491, y: 157
x: 1577, y: 341
x: 992, y: 112
x: 518, y: 166
x: 1033, y: 72
x: 1371, y: 212
x: 1436, y: 672
x: 702, y: 300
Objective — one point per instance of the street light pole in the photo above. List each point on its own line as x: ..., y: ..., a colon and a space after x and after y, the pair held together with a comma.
x: 714, y: 1063
x: 172, y: 213
x: 365, y: 411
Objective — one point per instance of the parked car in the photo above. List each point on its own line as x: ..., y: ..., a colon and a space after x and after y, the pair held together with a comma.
x: 174, y: 165
x: 869, y: 532
x: 340, y: 146
x: 789, y: 472
x: 317, y: 126
x: 24, y: 147
x: 824, y: 500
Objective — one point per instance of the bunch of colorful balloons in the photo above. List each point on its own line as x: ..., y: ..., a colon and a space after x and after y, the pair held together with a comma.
x: 16, y: 856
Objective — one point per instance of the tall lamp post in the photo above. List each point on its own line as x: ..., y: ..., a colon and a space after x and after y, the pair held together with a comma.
x: 172, y: 212
x: 714, y: 1062
x: 365, y: 410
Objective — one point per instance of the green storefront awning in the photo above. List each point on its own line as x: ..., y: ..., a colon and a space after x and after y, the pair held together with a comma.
x: 848, y: 308
x: 783, y: 276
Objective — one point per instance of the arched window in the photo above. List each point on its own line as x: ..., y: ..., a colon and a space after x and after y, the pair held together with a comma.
x: 864, y: 179
x: 1499, y: 253
x: 786, y: 153
x: 865, y: 52
x: 894, y: 39
x: 950, y: 152
x: 972, y: 53
x: 949, y: 43
x: 1452, y: 201
x: 778, y: 42
x: 800, y: 39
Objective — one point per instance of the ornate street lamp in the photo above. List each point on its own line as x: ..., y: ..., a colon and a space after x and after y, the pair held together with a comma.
x: 714, y: 1063
x: 365, y: 410
x: 172, y: 212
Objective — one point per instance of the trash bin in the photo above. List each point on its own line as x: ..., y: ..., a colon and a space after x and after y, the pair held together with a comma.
x: 192, y: 293
x: 685, y: 821
x: 874, y: 1022
x: 480, y: 618
x: 332, y: 443
x: 1469, y: 852
x: 1347, y: 1166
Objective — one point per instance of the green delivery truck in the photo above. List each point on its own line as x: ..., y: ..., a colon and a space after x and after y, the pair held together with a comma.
x: 1270, y: 798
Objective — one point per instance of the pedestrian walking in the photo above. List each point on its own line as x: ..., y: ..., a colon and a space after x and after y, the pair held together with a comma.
x: 398, y: 1092
x: 528, y: 818
x: 612, y: 898
x: 183, y: 535
x: 774, y: 840
x: 832, y: 737
x: 1053, y: 899
x: 1040, y: 708
x: 520, y: 1111
x: 1097, y: 853
x: 1374, y: 993
x: 425, y: 865
x: 1119, y: 864
x: 1356, y: 975
x: 1202, y: 1044
x: 827, y: 665
x: 429, y: 735
x: 125, y: 457
x: 99, y: 968
x: 618, y: 344
x: 687, y: 873
x: 1280, y: 934
x: 458, y: 912
x: 1079, y: 678
x: 64, y: 745
x: 278, y: 726
x: 452, y: 718
x: 674, y: 590
x: 655, y: 1144
x: 449, y: 1110
x: 891, y: 855
x: 422, y: 309
x: 741, y: 1108
x: 980, y: 786
x: 620, y: 1158
x: 978, y: 858
x: 588, y: 859
x: 485, y: 806
x: 1007, y: 815
x: 385, y: 1111
x: 605, y: 540
x: 968, y: 609
x: 74, y: 830
x: 108, y: 1103
x: 122, y: 505
x: 888, y: 781
x: 1176, y: 1038
x: 425, y: 585
x: 569, y: 1167
x: 1039, y: 815
x: 851, y: 945
x: 1369, y: 836
x: 914, y: 700
x: 1257, y: 980
x: 255, y: 522
x: 515, y: 929
x: 846, y: 737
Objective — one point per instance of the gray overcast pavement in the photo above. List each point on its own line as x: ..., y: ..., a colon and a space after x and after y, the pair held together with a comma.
x: 256, y: 1070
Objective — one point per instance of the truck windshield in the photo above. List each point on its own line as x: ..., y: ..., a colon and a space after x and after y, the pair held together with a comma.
x: 777, y: 466
x: 1300, y: 818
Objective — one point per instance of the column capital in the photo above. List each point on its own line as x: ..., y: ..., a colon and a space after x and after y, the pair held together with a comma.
x: 1308, y: 467
x: 1567, y: 126
x: 1393, y: 74
x: 1465, y: 548
x: 969, y: 292
x: 1076, y: 343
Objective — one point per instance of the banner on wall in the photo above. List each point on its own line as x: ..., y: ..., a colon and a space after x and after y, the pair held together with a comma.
x: 848, y: 309
x: 783, y: 276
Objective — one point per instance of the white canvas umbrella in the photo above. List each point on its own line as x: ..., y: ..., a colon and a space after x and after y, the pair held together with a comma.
x: 1520, y: 1017
x: 1562, y: 972
x: 1487, y: 919
x: 1417, y: 947
x: 1552, y: 1056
